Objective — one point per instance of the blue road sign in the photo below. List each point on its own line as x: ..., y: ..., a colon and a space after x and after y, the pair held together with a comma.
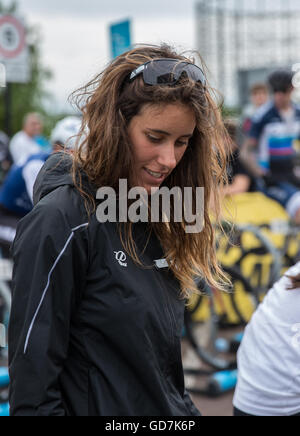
x: 120, y: 38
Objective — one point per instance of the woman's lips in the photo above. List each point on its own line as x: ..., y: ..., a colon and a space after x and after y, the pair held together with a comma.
x: 153, y: 178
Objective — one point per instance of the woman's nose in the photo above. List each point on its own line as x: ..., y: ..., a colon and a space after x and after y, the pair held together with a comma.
x: 167, y: 157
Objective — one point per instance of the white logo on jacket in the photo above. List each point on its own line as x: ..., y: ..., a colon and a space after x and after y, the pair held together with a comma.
x: 121, y: 258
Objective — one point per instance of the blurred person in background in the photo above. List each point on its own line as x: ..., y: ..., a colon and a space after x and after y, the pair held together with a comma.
x: 259, y: 96
x: 269, y: 356
x: 16, y: 193
x: 24, y: 143
x: 240, y: 180
x: 44, y: 144
x: 269, y: 151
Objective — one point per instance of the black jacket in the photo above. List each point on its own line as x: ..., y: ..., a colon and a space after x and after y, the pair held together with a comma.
x: 90, y: 332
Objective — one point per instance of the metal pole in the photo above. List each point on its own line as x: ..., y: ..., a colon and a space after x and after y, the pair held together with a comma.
x: 8, y: 109
x: 221, y: 35
x: 237, y: 48
x: 289, y: 30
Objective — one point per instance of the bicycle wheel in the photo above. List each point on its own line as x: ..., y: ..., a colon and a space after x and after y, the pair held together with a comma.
x: 265, y: 258
x: 244, y: 298
x: 202, y: 336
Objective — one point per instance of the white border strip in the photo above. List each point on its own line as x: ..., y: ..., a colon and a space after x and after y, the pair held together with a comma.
x: 48, y: 284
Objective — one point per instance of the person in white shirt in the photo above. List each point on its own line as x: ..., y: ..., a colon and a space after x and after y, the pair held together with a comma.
x: 16, y: 193
x: 269, y: 356
x: 23, y: 144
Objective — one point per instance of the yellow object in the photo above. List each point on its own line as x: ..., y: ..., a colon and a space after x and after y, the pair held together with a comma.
x: 257, y: 210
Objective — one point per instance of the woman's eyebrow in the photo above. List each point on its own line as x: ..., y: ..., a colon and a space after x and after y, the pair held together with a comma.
x: 162, y: 132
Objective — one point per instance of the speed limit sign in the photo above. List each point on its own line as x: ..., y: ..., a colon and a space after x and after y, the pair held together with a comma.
x: 12, y: 37
x: 14, y: 53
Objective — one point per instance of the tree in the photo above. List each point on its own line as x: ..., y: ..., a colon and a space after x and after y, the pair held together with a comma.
x: 9, y: 9
x: 28, y: 97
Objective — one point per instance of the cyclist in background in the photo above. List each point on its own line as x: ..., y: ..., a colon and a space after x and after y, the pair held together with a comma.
x: 259, y: 95
x: 269, y: 152
x: 16, y: 194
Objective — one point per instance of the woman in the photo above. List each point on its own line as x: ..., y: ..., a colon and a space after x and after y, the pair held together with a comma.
x: 98, y: 308
x: 268, y: 360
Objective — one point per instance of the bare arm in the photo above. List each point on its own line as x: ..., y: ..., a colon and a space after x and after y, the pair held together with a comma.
x: 241, y: 184
x: 248, y: 157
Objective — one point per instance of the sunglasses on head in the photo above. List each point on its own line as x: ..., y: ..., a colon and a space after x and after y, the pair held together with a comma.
x: 167, y: 72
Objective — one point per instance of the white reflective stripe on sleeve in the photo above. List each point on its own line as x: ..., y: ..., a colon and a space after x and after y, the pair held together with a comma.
x: 48, y: 284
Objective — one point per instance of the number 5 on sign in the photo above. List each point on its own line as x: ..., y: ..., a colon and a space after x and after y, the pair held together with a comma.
x: 2, y: 76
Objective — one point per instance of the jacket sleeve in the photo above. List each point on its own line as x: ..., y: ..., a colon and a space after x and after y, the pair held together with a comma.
x: 50, y: 263
x: 190, y: 405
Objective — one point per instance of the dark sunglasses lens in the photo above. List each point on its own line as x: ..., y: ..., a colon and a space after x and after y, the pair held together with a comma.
x: 195, y: 73
x: 167, y: 78
x: 169, y: 72
x: 159, y: 73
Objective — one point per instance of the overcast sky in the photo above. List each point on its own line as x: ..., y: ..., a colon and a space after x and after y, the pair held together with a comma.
x: 75, y: 43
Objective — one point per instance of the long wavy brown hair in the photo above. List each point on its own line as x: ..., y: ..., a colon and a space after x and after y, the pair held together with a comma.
x: 108, y: 103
